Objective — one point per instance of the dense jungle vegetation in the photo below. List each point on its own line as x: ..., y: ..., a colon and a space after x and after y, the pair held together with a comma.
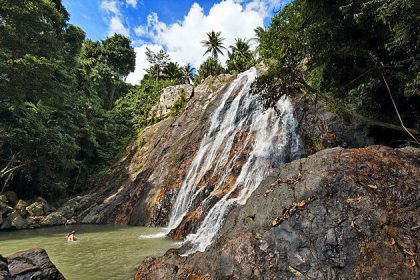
x: 360, y: 56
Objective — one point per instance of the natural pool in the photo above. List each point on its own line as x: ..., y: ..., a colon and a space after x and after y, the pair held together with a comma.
x: 101, y: 252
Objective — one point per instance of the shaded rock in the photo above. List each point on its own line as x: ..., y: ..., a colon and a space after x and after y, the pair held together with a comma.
x: 4, y: 270
x: 5, y: 209
x: 53, y: 219
x: 33, y: 264
x: 338, y: 214
x: 322, y: 129
x: 14, y: 221
x: 12, y: 198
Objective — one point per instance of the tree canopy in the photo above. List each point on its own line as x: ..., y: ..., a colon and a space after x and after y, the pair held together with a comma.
x: 362, y: 54
x: 56, y: 90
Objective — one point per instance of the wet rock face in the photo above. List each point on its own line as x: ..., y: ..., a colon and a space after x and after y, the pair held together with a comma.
x: 30, y: 264
x: 338, y: 214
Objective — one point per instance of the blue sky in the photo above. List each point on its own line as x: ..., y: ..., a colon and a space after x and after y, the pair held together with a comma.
x: 178, y: 26
x: 89, y: 15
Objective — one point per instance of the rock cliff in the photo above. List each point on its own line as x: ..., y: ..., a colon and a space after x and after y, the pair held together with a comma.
x: 338, y: 214
x: 140, y: 189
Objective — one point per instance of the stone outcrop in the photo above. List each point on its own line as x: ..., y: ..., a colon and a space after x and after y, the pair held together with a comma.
x: 322, y: 129
x: 168, y: 98
x: 30, y: 264
x: 338, y: 214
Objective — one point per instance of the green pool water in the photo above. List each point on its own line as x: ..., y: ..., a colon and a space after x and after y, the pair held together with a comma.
x: 101, y: 252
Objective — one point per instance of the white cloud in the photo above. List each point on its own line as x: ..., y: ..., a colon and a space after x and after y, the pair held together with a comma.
x: 141, y: 63
x: 117, y: 27
x: 234, y: 18
x: 110, y: 6
x: 132, y: 3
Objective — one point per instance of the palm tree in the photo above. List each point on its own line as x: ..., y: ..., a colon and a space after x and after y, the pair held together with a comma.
x: 241, y: 57
x: 214, y: 44
x: 241, y: 48
x: 172, y: 72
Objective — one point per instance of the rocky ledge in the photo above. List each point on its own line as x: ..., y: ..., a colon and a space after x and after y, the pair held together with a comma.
x: 338, y: 214
x: 30, y: 264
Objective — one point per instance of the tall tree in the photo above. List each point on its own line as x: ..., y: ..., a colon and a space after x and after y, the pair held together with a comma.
x: 173, y: 72
x: 214, y: 44
x: 37, y: 56
x: 108, y: 63
x: 158, y: 61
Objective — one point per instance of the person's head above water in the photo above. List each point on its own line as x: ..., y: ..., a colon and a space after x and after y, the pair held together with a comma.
x: 73, y: 232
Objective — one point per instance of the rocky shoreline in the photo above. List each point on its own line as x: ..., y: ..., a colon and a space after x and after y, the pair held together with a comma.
x: 16, y: 214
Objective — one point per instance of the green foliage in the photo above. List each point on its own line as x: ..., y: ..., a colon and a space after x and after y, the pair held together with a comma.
x: 162, y: 68
x: 133, y: 109
x: 55, y: 131
x: 345, y: 50
x: 241, y: 58
x: 210, y: 67
x: 106, y: 64
x: 158, y: 61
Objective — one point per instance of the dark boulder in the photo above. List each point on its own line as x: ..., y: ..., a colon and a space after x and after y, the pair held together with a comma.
x: 4, y: 270
x: 33, y: 264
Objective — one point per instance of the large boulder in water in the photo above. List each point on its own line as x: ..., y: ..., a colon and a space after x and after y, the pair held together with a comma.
x: 338, y: 214
x: 33, y: 264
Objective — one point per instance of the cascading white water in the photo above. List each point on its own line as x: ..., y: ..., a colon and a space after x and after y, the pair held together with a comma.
x: 270, y: 140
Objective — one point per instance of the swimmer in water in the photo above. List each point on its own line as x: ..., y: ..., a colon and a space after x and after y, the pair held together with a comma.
x: 71, y: 236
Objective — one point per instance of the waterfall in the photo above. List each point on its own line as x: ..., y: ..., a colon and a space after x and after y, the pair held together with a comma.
x: 239, y: 128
